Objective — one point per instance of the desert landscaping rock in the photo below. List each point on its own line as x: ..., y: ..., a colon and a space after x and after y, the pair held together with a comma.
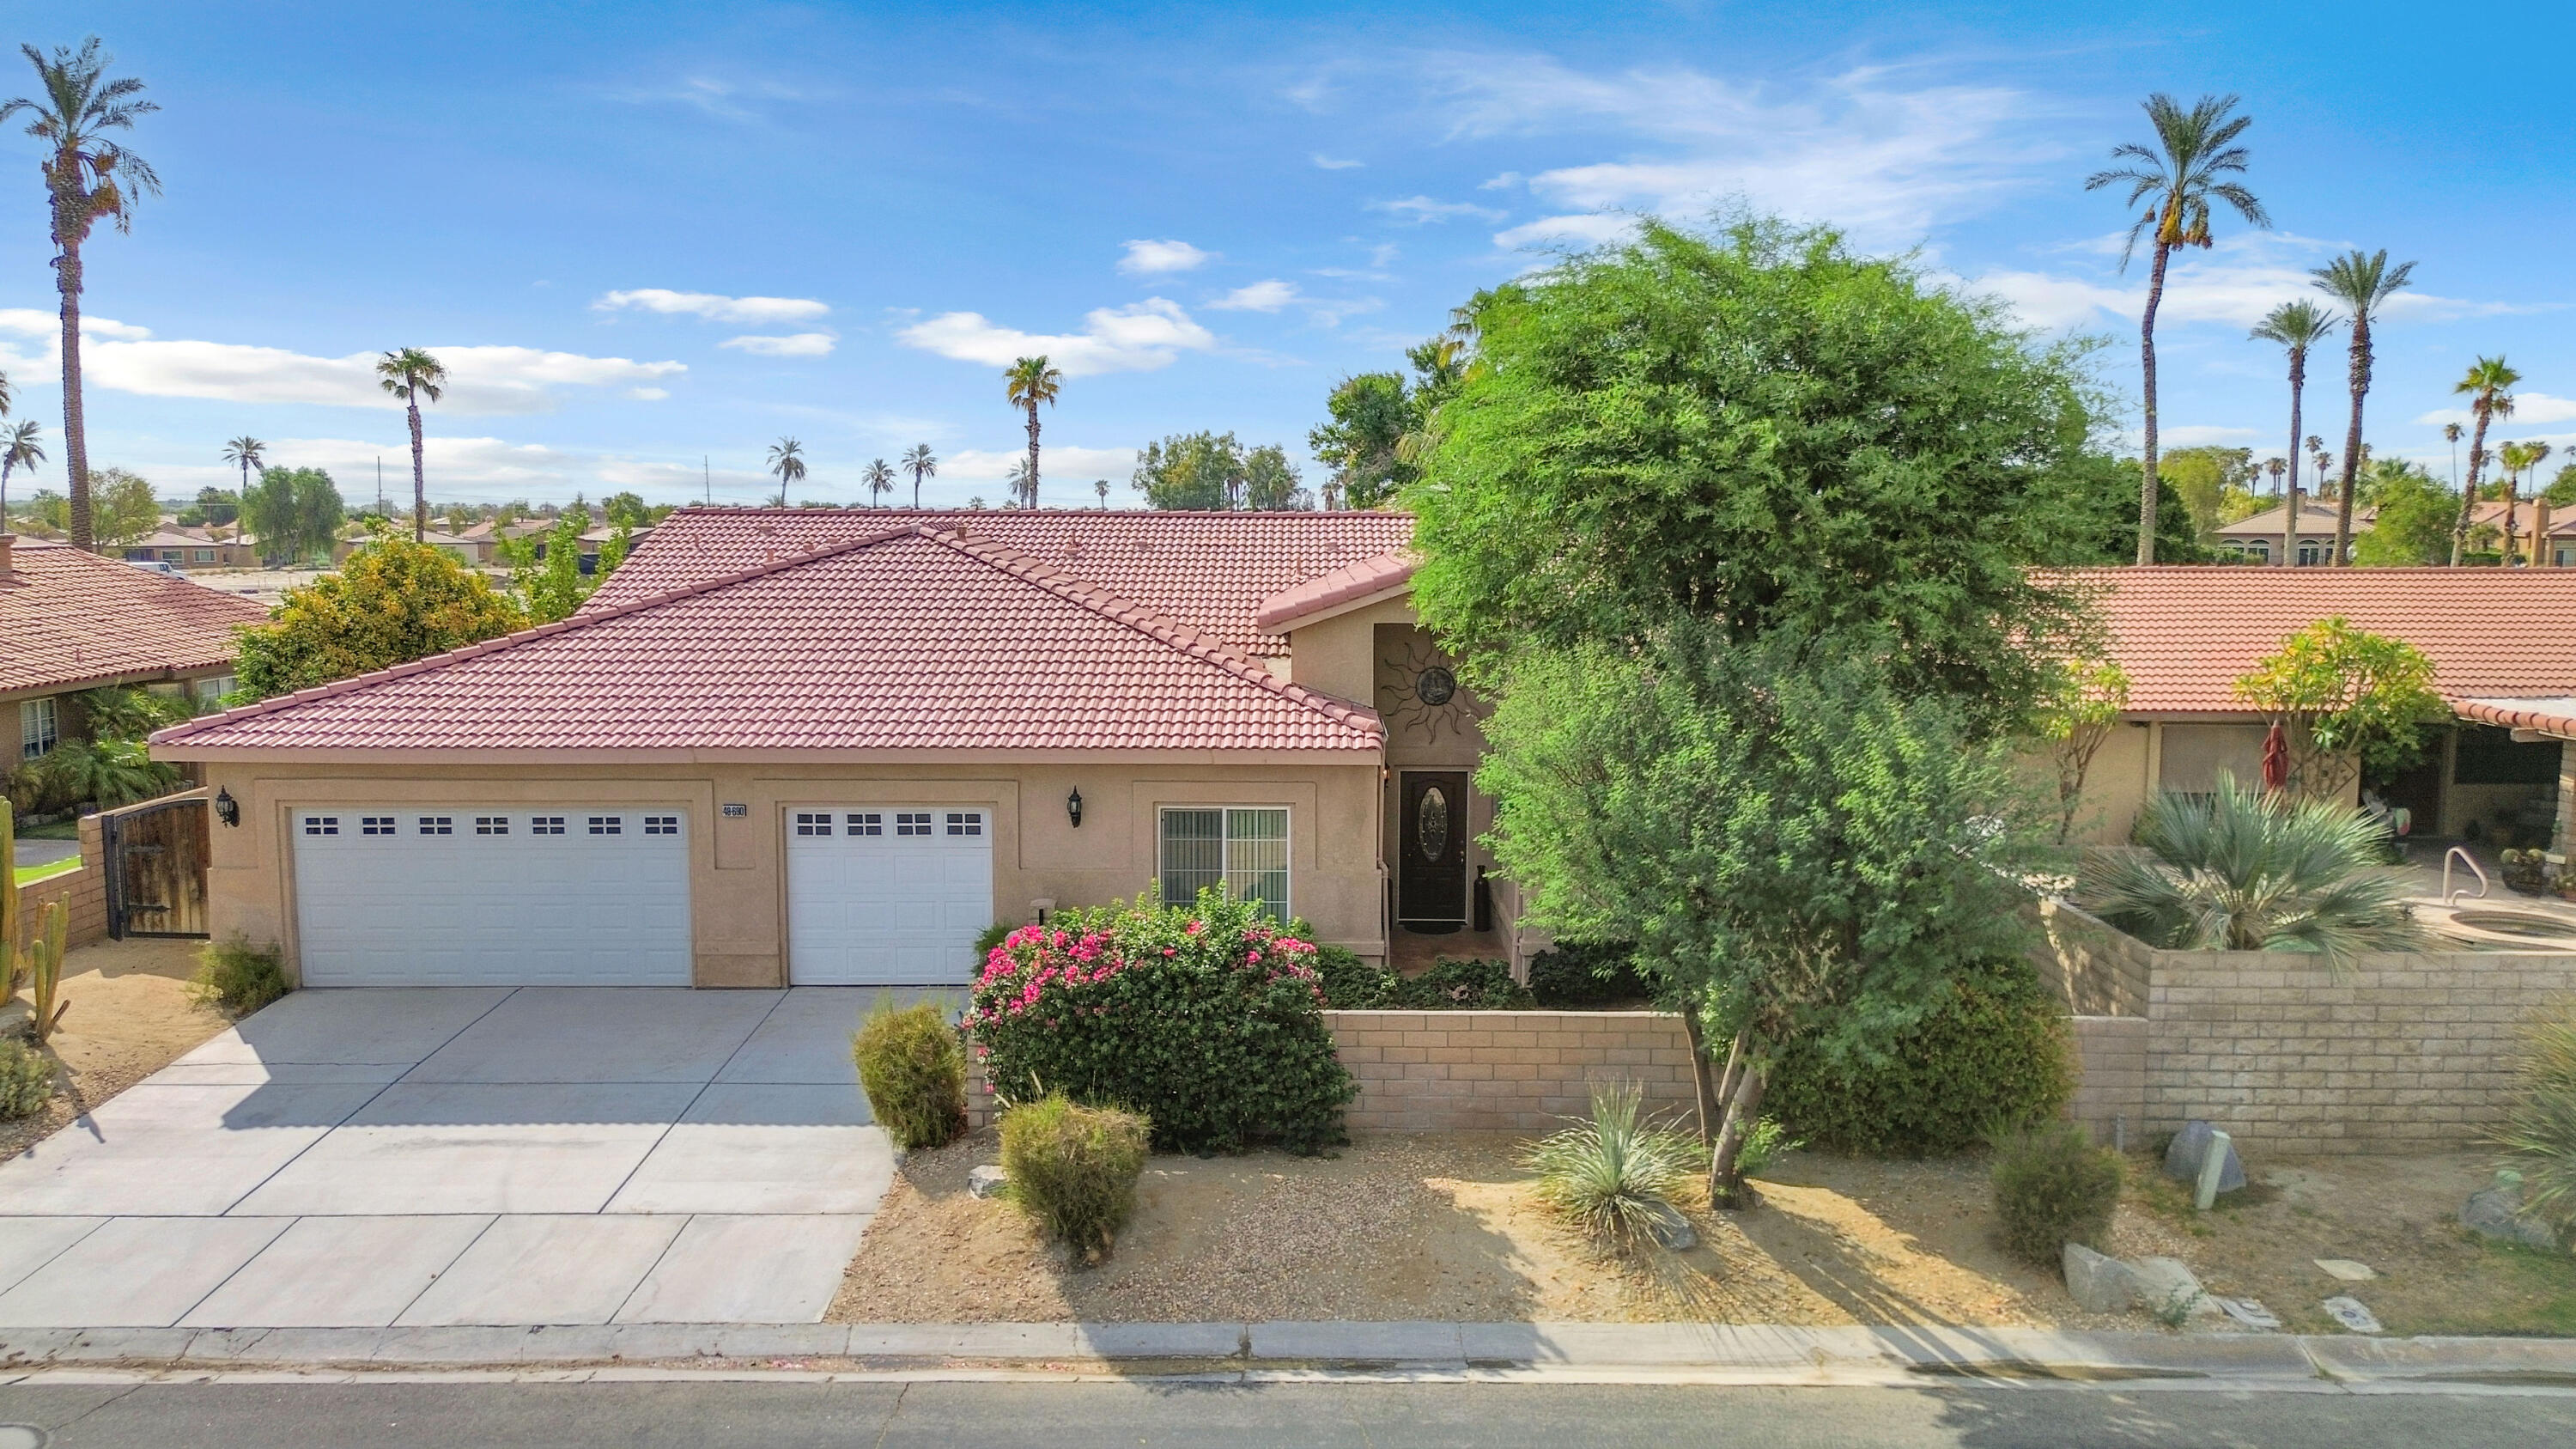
x: 986, y: 1181
x: 2190, y: 1145
x: 2496, y: 1212
x: 2345, y: 1270
x: 2169, y: 1289
x: 2352, y: 1314
x: 2100, y: 1283
x: 1670, y: 1229
x: 2250, y: 1313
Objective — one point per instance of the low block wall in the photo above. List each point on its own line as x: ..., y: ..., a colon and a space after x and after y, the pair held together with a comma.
x: 83, y: 892
x: 2094, y: 969
x: 1490, y: 1071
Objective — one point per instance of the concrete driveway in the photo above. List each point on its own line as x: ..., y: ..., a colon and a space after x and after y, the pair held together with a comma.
x: 463, y: 1156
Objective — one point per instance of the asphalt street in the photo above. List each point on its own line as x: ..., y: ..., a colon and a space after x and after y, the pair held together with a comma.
x: 791, y: 1415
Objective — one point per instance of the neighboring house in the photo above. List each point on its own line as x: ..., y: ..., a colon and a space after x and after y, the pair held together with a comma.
x: 193, y: 548
x: 464, y: 550
x: 2258, y: 538
x: 486, y: 537
x: 830, y: 746
x: 71, y: 621
x: 2502, y: 642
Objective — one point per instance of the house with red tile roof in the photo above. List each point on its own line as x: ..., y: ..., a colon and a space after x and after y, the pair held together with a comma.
x: 2539, y: 534
x: 831, y: 746
x: 71, y: 621
x: 2503, y: 647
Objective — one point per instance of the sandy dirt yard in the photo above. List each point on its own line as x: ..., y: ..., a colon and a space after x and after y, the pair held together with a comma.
x: 130, y: 1016
x: 1444, y: 1227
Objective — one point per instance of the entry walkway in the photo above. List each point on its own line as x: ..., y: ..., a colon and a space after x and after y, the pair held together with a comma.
x: 499, y: 1156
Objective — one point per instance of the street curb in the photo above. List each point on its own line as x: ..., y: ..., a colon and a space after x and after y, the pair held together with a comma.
x: 1763, y: 1350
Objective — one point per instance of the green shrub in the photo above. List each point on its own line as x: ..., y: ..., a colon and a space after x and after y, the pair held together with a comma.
x: 1350, y: 984
x: 1074, y: 1168
x: 2053, y: 1187
x: 1571, y: 977
x: 1611, y: 1174
x: 1207, y: 1019
x: 237, y: 976
x: 1994, y: 1050
x: 1458, y: 986
x: 913, y: 1068
x: 26, y: 1080
x: 1763, y: 1145
x: 2541, y: 1135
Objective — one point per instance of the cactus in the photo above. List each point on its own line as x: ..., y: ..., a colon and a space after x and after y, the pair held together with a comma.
x: 44, y: 968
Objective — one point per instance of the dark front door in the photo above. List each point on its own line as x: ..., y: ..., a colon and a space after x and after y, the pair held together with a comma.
x: 1431, y: 876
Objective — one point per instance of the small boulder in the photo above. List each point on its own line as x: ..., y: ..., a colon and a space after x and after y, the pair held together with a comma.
x: 2496, y: 1212
x: 985, y: 1181
x: 2345, y: 1270
x: 1666, y: 1225
x: 2249, y: 1313
x: 2190, y: 1146
x: 2169, y: 1289
x: 2352, y: 1315
x: 2099, y: 1282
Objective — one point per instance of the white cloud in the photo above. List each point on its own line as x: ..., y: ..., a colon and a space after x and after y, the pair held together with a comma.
x: 1266, y: 296
x: 1330, y: 314
x: 802, y: 344
x: 2051, y: 302
x: 481, y: 380
x: 1335, y: 163
x: 1504, y: 182
x: 1588, y: 230
x: 2528, y: 407
x: 1856, y: 149
x: 2231, y: 285
x: 1138, y: 338
x: 1153, y: 258
x: 756, y: 311
x: 28, y: 322
x: 1423, y: 209
x: 2194, y: 435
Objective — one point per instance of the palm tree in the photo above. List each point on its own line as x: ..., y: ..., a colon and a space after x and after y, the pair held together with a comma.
x: 2363, y: 284
x: 411, y: 375
x: 2489, y: 386
x: 920, y: 463
x: 2451, y: 435
x: 787, y: 460
x: 2194, y: 151
x: 1030, y: 382
x: 2240, y: 870
x: 1101, y: 487
x: 1017, y: 482
x: 248, y: 452
x: 18, y: 449
x: 2297, y: 326
x: 879, y: 478
x: 87, y: 179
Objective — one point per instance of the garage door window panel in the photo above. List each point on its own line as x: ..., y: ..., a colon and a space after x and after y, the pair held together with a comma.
x: 1242, y: 849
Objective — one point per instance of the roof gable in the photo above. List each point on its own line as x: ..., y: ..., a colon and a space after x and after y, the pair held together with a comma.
x: 906, y: 639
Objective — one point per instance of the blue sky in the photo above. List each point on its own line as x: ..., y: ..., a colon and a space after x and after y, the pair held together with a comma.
x: 647, y: 236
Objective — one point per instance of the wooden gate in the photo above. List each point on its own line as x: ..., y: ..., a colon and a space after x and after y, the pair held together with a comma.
x: 156, y: 869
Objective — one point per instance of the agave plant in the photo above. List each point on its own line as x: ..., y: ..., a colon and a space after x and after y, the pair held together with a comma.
x: 1615, y: 1172
x: 2240, y: 870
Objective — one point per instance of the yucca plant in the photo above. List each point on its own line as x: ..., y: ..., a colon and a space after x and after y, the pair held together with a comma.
x: 1612, y: 1173
x: 2540, y: 1138
x: 2240, y: 870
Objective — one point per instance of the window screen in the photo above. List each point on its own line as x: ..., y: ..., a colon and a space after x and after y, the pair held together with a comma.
x: 1243, y: 850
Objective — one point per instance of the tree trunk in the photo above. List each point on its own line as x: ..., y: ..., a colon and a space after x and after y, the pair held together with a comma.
x: 1726, y: 1186
x: 1031, y: 500
x: 2469, y: 496
x: 2290, y: 521
x: 2352, y: 436
x: 419, y: 482
x: 1701, y: 1087
x: 2147, y: 372
x: 67, y: 279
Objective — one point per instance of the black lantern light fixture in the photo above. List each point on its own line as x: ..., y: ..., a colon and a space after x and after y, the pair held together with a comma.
x: 1073, y: 808
x: 227, y: 809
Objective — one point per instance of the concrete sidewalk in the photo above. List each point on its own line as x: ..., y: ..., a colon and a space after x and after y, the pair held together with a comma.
x: 1703, y: 1351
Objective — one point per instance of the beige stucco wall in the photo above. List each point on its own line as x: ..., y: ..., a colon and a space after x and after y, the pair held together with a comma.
x: 2143, y: 756
x: 737, y: 892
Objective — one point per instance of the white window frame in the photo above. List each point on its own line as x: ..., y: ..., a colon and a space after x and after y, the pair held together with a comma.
x: 216, y: 686
x: 1281, y: 910
x: 40, y: 727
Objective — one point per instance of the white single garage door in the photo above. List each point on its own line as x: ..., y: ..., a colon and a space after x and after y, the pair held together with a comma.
x: 493, y: 896
x: 887, y: 895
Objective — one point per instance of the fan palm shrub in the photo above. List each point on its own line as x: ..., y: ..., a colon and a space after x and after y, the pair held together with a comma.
x: 2241, y: 870
x: 2540, y: 1138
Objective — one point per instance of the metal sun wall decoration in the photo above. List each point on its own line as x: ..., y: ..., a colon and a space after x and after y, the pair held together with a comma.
x: 1419, y: 691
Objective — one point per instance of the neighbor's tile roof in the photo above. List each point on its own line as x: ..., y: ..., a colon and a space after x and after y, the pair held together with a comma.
x: 1348, y: 584
x: 2553, y: 715
x: 2184, y: 634
x: 909, y: 639
x: 69, y: 619
x: 1209, y: 572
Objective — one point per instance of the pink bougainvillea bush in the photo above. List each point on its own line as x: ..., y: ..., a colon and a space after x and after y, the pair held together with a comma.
x: 1207, y: 1019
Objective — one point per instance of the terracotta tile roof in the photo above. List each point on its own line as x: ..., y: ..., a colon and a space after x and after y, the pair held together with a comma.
x: 2552, y: 715
x: 2184, y: 634
x: 1210, y: 572
x: 1348, y: 584
x: 900, y: 640
x: 70, y: 619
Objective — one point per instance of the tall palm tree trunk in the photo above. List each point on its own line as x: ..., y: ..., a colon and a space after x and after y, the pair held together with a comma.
x: 2469, y: 495
x: 420, y: 480
x: 1031, y: 499
x: 2290, y: 520
x: 67, y: 278
x: 2147, y: 371
x: 2352, y: 436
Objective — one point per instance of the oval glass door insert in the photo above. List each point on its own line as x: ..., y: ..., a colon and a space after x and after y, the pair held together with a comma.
x: 1431, y: 824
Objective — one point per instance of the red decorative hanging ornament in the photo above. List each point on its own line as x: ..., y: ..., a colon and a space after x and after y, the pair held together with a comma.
x: 2276, y: 759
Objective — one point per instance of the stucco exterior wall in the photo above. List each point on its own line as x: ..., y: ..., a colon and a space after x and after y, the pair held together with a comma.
x: 737, y: 866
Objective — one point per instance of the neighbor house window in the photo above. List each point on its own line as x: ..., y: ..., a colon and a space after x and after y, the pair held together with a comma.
x: 40, y: 728
x: 210, y: 690
x: 1244, y: 850
x: 202, y: 555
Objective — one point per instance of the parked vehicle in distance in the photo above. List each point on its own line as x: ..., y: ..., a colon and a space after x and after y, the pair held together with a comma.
x: 157, y: 566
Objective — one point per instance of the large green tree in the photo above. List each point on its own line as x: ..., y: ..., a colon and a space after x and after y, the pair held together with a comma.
x: 394, y: 600
x: 294, y: 513
x: 1191, y: 470
x: 1760, y: 428
x: 122, y: 508
x: 2415, y: 515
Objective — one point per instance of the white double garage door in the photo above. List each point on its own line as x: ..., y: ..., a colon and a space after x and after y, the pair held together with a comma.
x: 599, y: 895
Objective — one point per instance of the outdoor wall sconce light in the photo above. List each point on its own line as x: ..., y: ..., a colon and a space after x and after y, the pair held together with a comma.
x: 1073, y: 808
x: 227, y: 809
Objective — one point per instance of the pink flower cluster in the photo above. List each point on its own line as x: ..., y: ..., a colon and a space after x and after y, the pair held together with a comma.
x: 1018, y: 971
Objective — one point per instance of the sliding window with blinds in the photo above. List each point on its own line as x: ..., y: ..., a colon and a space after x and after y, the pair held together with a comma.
x: 1243, y: 849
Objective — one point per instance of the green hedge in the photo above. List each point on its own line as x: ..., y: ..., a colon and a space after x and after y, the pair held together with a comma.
x: 1573, y: 977
x: 1994, y: 1053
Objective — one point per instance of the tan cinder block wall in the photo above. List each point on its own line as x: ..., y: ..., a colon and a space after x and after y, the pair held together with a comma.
x: 2095, y: 970
x: 1489, y: 1071
x: 83, y: 892
x: 2111, y: 1067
